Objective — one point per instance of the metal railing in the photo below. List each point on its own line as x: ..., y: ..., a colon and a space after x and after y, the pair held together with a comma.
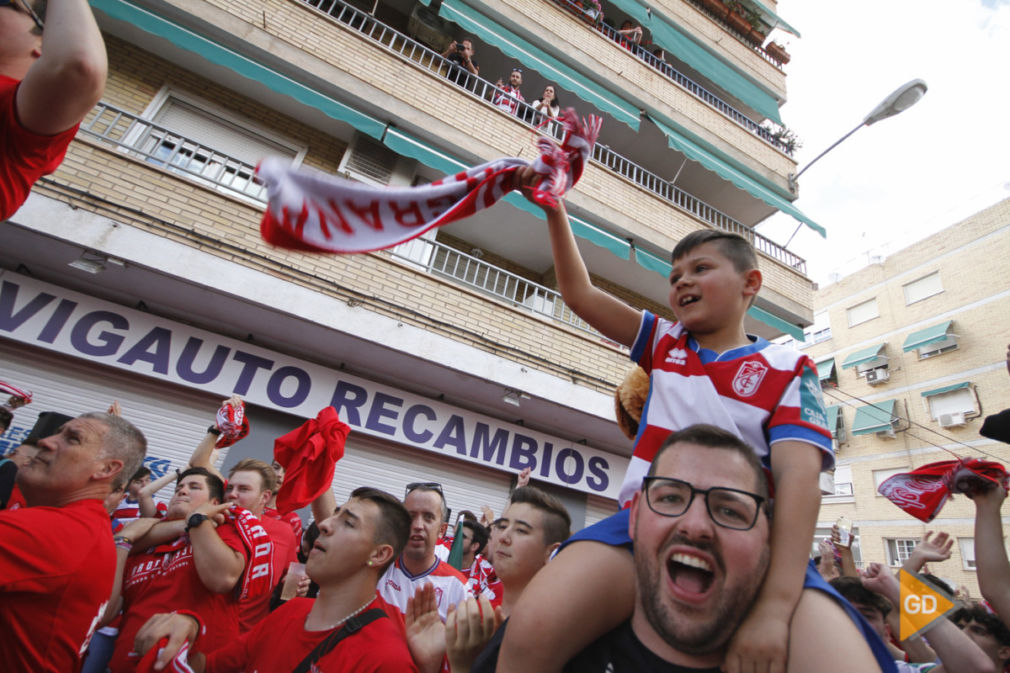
x: 398, y: 43
x: 676, y: 76
x: 162, y: 147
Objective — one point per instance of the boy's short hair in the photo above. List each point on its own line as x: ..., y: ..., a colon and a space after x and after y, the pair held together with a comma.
x: 713, y: 437
x: 214, y: 484
x: 394, y: 521
x: 142, y: 471
x: 734, y: 247
x: 852, y: 590
x: 479, y: 533
x: 267, y: 475
x: 557, y: 522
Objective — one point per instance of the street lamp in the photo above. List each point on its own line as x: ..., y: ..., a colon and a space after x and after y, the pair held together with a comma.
x: 902, y: 98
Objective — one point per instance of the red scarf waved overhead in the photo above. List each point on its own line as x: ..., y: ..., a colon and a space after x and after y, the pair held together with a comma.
x: 309, y: 454
x: 924, y: 491
x: 315, y: 212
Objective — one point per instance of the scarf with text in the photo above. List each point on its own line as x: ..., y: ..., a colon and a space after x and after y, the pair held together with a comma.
x: 315, y: 212
x: 232, y: 422
x: 924, y: 491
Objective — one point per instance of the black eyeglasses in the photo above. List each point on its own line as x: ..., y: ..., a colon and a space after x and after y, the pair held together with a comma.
x: 28, y: 8
x: 727, y: 507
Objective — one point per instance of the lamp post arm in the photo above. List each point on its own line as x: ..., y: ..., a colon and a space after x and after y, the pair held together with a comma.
x: 833, y: 146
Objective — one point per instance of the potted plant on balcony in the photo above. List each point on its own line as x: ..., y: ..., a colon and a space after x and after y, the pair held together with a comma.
x: 787, y: 139
x: 716, y: 7
x: 777, y: 52
x: 737, y: 17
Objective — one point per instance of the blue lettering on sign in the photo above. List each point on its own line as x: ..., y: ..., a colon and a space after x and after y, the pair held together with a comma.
x: 184, y: 367
x: 158, y: 466
x: 380, y: 411
x: 57, y: 320
x: 11, y: 320
x: 453, y: 434
x: 277, y: 380
x: 160, y: 339
x: 107, y: 342
x: 486, y: 447
x: 524, y: 452
x: 252, y: 364
x: 13, y: 438
x: 545, y: 465
x: 576, y: 475
x: 409, y: 428
x: 599, y: 481
x: 348, y: 400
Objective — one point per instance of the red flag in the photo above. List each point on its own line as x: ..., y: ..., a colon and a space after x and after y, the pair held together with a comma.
x: 308, y: 455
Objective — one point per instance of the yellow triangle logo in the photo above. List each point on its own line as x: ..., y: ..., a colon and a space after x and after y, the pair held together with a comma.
x: 922, y: 605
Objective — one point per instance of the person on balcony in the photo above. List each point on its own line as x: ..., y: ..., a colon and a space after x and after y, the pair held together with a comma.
x: 459, y: 53
x: 48, y: 83
x: 548, y: 104
x: 508, y: 96
x: 631, y: 34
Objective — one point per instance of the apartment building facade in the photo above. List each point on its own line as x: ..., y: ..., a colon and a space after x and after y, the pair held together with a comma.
x: 911, y: 354
x: 136, y: 271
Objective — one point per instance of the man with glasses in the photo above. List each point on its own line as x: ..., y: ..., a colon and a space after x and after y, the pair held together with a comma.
x: 48, y: 82
x: 700, y: 527
x: 418, y: 565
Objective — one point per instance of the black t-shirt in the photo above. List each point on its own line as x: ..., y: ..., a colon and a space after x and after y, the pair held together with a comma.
x: 620, y: 651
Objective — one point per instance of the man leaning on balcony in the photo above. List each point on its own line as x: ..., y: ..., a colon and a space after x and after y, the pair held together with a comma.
x: 49, y: 80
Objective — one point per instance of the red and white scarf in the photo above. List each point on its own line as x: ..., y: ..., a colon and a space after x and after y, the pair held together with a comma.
x: 18, y: 398
x: 315, y: 212
x: 258, y: 577
x: 924, y: 491
x: 232, y: 422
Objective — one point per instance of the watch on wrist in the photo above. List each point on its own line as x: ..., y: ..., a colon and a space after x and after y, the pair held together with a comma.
x: 214, y: 430
x: 195, y: 520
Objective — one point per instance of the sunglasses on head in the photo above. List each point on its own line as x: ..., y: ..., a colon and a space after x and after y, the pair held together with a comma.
x: 427, y: 486
x: 23, y: 4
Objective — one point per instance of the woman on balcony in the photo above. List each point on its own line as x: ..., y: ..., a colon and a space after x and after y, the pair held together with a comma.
x: 548, y: 104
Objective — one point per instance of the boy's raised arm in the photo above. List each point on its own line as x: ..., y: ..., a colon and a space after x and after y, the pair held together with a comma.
x: 607, y: 314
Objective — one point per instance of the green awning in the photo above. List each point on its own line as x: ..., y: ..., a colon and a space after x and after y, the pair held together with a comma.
x: 778, y: 323
x: 773, y: 19
x: 581, y: 228
x: 726, y: 171
x: 537, y: 59
x: 874, y: 418
x: 946, y: 389
x: 409, y: 146
x: 649, y: 261
x: 825, y: 369
x: 668, y: 35
x: 861, y: 357
x: 215, y: 53
x: 834, y: 413
x: 927, y: 336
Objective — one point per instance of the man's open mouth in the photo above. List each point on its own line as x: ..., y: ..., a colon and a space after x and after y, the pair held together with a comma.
x: 690, y: 573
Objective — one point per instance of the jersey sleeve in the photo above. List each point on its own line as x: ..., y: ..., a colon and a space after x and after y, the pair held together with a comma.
x: 800, y: 415
x: 644, y: 345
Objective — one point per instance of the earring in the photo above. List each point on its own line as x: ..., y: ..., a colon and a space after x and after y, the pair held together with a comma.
x: 369, y: 564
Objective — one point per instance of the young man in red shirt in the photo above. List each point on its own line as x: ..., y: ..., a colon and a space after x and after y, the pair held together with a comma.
x: 57, y: 560
x: 202, y: 558
x: 354, y: 547
x: 48, y: 82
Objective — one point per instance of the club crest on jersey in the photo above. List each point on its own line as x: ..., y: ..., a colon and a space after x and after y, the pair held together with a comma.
x: 748, y: 378
x: 676, y: 356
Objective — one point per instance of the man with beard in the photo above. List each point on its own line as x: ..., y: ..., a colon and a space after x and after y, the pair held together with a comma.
x: 700, y: 526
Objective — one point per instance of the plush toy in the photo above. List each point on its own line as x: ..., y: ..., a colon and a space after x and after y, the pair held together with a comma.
x: 629, y: 400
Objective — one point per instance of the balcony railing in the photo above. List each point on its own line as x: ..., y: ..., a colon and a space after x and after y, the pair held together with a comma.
x: 407, y: 48
x: 676, y: 76
x: 168, y: 149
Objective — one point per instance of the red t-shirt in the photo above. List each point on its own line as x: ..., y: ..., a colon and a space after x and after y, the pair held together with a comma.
x: 57, y: 565
x: 165, y: 579
x: 256, y: 608
x: 24, y: 156
x: 291, y: 518
x: 279, y: 643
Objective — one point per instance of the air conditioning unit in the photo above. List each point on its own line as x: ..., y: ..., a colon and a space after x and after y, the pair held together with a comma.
x: 951, y: 420
x: 877, y: 376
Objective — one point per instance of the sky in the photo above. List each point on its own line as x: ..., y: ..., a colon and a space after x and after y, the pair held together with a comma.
x: 906, y: 177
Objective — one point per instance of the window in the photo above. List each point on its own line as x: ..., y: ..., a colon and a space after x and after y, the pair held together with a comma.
x: 843, y: 480
x: 860, y: 313
x: 922, y: 288
x: 932, y: 341
x: 967, y: 546
x: 819, y: 331
x: 951, y: 406
x: 899, y: 549
x: 880, y: 476
x: 210, y: 145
